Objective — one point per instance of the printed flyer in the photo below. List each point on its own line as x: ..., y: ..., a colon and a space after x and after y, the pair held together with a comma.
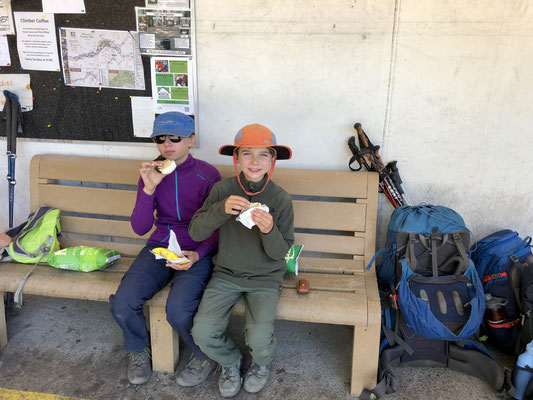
x: 164, y: 31
x: 36, y: 41
x: 172, y: 85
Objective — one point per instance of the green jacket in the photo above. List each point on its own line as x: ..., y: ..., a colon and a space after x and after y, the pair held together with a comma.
x: 245, y: 256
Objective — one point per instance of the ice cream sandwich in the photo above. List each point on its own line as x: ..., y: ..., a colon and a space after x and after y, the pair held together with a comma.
x: 167, y: 168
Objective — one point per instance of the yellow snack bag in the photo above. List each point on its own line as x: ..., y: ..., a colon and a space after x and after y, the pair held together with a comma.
x: 161, y: 252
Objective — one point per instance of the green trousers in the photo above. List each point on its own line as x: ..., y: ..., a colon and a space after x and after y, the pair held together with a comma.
x: 211, y: 320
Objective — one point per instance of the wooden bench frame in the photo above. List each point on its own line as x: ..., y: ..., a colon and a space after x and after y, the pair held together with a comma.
x: 335, y: 218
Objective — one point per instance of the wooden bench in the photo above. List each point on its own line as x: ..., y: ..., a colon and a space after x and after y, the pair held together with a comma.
x: 335, y: 218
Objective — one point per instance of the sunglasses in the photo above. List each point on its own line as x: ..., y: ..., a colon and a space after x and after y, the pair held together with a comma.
x: 161, y: 139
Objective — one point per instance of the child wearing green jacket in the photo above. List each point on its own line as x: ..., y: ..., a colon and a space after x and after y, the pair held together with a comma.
x: 250, y: 263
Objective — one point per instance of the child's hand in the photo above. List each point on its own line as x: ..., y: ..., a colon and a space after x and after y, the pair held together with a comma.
x: 191, y: 255
x: 263, y: 220
x: 235, y: 204
x: 150, y: 176
x: 5, y: 240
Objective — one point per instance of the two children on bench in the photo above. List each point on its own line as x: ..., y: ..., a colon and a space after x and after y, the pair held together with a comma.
x: 250, y: 263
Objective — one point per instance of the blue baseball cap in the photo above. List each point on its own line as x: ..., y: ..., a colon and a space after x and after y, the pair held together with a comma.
x: 173, y: 123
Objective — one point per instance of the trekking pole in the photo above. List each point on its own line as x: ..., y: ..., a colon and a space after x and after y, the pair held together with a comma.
x: 396, y: 179
x: 388, y: 186
x: 12, y: 111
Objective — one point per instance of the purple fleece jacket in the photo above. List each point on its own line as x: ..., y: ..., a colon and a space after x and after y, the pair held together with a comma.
x: 175, y: 200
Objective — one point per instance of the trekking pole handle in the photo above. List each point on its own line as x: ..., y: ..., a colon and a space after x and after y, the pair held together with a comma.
x: 365, y: 142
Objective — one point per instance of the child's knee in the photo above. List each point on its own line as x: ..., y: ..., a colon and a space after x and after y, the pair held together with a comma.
x: 123, y: 306
x: 260, y: 336
x: 204, y: 330
x: 179, y: 319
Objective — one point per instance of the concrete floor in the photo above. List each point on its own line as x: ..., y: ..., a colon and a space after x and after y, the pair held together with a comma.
x: 74, y: 348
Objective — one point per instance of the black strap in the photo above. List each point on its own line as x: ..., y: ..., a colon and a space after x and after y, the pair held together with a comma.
x: 410, y: 256
x: 461, y: 249
x: 434, y: 258
x: 388, y: 382
x: 358, y: 156
x: 393, y: 338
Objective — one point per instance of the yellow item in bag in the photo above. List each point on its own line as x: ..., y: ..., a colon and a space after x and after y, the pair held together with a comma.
x: 169, y: 255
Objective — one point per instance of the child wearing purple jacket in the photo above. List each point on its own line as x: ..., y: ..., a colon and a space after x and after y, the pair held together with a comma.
x: 175, y: 198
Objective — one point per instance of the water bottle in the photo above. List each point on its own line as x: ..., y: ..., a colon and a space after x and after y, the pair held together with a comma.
x: 495, y: 309
x: 522, y: 377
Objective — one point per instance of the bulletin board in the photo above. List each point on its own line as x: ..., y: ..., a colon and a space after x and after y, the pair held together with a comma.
x: 64, y: 112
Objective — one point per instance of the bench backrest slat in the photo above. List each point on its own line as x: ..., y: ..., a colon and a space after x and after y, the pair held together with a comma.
x: 324, y: 215
x: 88, y: 200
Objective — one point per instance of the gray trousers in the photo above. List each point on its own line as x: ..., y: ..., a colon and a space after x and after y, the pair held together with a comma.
x: 211, y: 320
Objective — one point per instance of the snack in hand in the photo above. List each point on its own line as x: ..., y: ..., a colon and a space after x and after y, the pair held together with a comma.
x: 167, y: 168
x: 170, y: 255
x: 245, y: 217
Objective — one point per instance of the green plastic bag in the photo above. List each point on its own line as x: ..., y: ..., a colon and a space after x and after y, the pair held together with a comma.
x: 83, y: 258
x: 292, y: 258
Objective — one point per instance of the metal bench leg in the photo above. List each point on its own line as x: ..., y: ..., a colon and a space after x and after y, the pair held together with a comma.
x: 165, y: 341
x: 3, y: 325
x: 364, y: 359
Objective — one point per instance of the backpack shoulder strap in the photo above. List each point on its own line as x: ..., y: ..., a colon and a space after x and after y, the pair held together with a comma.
x: 460, y: 247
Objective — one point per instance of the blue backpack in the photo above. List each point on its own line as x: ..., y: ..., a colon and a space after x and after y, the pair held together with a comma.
x: 432, y: 300
x: 428, y: 275
x: 501, y: 260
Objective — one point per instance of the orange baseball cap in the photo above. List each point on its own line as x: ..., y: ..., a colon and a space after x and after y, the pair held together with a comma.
x: 254, y: 136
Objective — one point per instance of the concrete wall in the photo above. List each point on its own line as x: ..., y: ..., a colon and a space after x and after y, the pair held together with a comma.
x: 444, y: 86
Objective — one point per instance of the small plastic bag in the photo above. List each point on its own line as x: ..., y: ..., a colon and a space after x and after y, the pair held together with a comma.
x: 83, y: 258
x: 292, y: 258
x: 245, y: 217
x: 173, y: 254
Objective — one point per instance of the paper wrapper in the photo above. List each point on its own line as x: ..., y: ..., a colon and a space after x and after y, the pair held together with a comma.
x: 174, y: 247
x: 245, y: 217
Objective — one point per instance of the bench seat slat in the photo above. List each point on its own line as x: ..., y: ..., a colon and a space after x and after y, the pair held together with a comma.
x: 332, y: 282
x: 340, y: 308
x: 46, y: 281
x: 319, y: 306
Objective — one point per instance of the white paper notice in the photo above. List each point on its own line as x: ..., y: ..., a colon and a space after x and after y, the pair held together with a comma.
x: 64, y: 6
x: 6, y: 18
x: 36, y: 41
x: 5, y: 59
x: 142, y: 111
x: 20, y: 85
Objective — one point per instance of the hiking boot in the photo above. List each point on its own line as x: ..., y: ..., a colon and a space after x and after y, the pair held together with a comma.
x: 196, y: 371
x: 230, y: 380
x: 256, y: 378
x: 140, y: 366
